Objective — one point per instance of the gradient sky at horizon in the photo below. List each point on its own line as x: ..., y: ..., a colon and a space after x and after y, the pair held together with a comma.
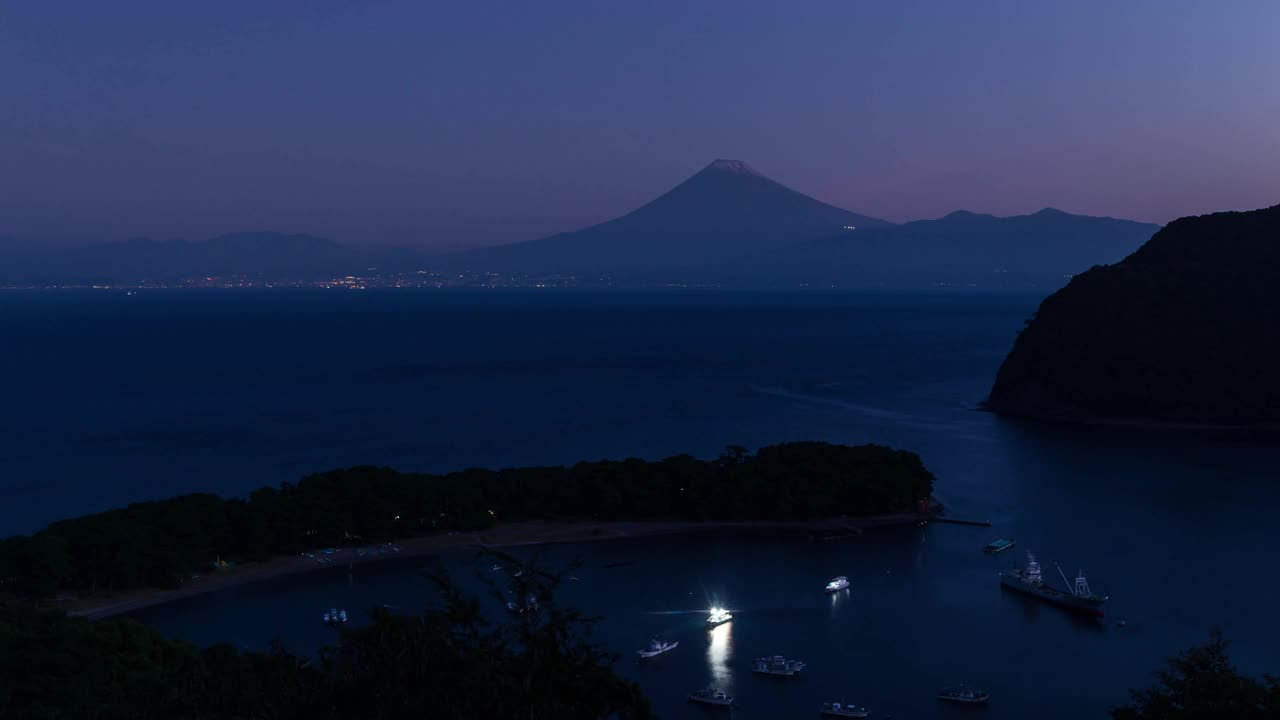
x: 451, y: 124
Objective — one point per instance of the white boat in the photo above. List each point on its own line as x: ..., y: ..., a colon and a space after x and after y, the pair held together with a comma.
x: 712, y: 697
x: 839, y: 709
x: 837, y: 584
x: 656, y: 648
x: 718, y: 616
x: 777, y: 665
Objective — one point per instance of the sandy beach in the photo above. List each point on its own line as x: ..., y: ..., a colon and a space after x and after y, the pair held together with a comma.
x: 499, y: 536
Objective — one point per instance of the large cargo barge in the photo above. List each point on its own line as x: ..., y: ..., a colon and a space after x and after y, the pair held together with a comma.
x: 1028, y: 581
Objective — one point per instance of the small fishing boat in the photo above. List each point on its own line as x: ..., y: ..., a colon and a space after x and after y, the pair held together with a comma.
x: 718, y: 616
x: 712, y: 697
x: 777, y: 665
x: 840, y: 709
x: 962, y: 695
x: 837, y: 584
x: 656, y: 648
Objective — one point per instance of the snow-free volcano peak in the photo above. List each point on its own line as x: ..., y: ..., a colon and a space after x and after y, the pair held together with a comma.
x: 725, y: 214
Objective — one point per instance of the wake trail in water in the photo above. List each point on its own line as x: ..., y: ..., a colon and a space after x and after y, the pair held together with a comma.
x: 678, y: 612
x: 864, y: 410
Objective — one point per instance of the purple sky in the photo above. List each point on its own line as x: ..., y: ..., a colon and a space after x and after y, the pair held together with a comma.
x: 467, y: 122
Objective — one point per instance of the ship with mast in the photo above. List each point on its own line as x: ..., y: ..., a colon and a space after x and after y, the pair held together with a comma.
x: 1029, y: 581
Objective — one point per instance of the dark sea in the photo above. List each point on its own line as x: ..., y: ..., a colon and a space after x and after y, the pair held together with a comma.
x: 110, y: 398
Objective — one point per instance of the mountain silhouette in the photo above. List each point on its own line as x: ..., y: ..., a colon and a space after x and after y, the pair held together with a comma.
x: 725, y: 214
x: 964, y: 247
x: 1181, y: 331
x: 727, y: 224
x: 730, y: 224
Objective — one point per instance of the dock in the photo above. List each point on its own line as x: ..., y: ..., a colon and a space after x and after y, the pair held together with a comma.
x: 949, y: 521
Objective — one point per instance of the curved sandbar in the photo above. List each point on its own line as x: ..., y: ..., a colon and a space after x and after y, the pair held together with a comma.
x: 500, y: 536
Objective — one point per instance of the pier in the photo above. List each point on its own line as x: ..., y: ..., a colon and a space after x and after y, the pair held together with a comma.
x: 950, y: 521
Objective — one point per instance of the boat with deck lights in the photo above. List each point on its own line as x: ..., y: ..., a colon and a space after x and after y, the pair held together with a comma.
x: 718, y: 616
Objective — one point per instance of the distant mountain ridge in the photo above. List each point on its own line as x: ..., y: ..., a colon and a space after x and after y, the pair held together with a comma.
x: 726, y: 225
x: 730, y: 224
x: 1040, y: 248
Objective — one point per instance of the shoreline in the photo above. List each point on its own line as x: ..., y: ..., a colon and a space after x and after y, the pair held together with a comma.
x: 499, y: 536
x: 1138, y: 423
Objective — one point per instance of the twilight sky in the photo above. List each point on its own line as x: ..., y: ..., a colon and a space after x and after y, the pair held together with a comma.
x: 452, y: 123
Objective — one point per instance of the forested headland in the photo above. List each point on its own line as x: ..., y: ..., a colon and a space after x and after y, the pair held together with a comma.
x: 1180, y: 332
x: 162, y: 544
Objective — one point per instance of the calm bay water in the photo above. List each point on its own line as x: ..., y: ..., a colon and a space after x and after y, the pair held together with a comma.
x: 114, y: 398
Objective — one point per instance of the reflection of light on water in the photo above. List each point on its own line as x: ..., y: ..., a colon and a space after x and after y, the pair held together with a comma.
x: 836, y: 598
x: 719, y: 653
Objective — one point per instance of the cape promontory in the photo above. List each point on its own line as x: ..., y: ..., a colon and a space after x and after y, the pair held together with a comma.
x: 1184, y: 330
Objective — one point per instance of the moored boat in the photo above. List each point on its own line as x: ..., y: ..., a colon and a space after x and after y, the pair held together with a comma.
x: 656, y: 648
x: 840, y: 709
x: 520, y: 609
x: 712, y: 697
x: 998, y: 546
x: 963, y: 695
x: 837, y: 584
x: 777, y: 665
x: 1029, y: 581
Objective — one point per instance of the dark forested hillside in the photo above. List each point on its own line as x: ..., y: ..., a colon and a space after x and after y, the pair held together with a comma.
x: 450, y: 662
x: 1183, y: 330
x: 160, y: 544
